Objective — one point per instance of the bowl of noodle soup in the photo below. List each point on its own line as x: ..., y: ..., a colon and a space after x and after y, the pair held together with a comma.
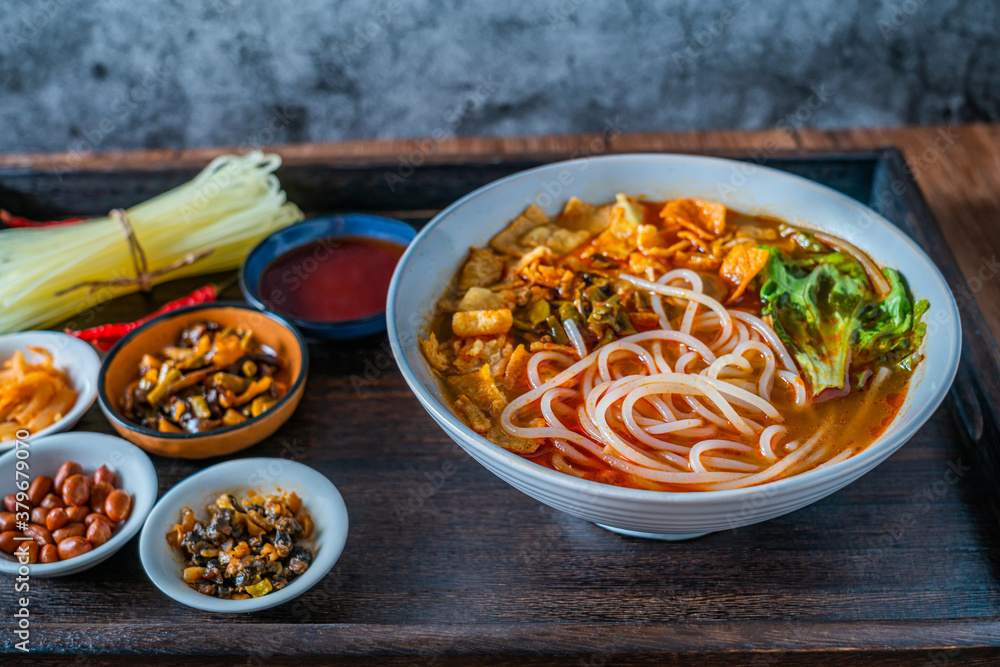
x: 672, y: 345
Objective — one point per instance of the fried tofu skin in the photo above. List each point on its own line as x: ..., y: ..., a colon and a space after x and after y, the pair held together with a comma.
x: 741, y: 265
x: 482, y: 269
x: 482, y: 322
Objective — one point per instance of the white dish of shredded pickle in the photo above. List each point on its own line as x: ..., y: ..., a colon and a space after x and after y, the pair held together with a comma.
x: 73, y: 357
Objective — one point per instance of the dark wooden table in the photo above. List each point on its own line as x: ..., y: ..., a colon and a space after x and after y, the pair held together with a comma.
x: 446, y: 564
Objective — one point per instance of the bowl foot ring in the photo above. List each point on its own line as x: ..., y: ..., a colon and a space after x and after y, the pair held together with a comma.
x: 667, y: 537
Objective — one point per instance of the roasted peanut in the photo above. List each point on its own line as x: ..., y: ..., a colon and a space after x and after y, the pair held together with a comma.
x: 57, y: 518
x: 68, y: 531
x: 39, y: 487
x: 103, y: 474
x: 10, y: 502
x: 72, y: 547
x: 98, y: 494
x: 9, y: 541
x: 27, y: 552
x: 49, y: 554
x: 51, y: 501
x: 76, y: 490
x: 98, y: 533
x: 118, y: 505
x: 7, y: 521
x: 39, y: 534
x: 66, y: 471
x: 77, y: 513
x: 96, y: 516
x: 38, y: 515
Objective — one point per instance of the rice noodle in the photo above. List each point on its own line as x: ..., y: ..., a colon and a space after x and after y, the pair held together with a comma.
x: 704, y: 445
x: 843, y: 456
x: 562, y: 466
x: 534, y: 377
x: 875, y: 274
x: 797, y: 385
x: 770, y: 473
x: 695, y: 297
x: 761, y: 327
x: 767, y: 436
x: 879, y: 378
x: 687, y: 404
x: 575, y: 337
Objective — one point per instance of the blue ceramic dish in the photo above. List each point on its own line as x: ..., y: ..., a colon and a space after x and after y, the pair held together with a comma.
x: 302, y: 233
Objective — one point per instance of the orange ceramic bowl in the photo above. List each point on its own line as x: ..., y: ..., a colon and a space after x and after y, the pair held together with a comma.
x: 121, y: 366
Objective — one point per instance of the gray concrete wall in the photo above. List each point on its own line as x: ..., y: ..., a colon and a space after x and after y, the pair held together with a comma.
x: 107, y: 74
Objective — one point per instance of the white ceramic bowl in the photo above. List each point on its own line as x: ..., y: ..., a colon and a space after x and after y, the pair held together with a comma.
x: 320, y: 497
x: 435, y: 255
x: 133, y: 470
x: 71, y: 355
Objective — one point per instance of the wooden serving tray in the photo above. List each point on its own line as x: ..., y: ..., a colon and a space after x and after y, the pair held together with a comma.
x: 446, y: 564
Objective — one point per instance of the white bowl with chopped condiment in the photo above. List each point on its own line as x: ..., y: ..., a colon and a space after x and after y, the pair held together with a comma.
x: 72, y: 356
x: 264, y: 476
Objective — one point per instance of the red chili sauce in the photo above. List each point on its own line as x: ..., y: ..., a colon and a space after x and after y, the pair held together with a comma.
x: 331, y: 279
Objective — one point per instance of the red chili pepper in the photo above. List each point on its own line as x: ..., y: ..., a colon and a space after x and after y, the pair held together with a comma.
x: 17, y: 221
x: 104, y: 336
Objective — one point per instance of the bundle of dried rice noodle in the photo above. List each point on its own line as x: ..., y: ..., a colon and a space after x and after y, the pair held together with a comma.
x: 206, y: 225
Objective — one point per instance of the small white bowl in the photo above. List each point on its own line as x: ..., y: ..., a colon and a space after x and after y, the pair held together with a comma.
x: 133, y: 470
x: 320, y: 497
x: 72, y: 356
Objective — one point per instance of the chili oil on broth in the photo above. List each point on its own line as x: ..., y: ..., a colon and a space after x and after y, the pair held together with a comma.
x: 835, y: 429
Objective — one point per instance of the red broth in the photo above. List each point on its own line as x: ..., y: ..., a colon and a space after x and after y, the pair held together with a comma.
x: 331, y: 279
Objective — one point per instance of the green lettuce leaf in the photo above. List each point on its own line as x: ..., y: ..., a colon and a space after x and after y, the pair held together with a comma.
x: 823, y: 309
x: 891, y: 330
x: 815, y: 310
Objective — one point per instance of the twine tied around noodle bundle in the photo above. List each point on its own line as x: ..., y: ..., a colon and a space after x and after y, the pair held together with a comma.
x: 143, y: 276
